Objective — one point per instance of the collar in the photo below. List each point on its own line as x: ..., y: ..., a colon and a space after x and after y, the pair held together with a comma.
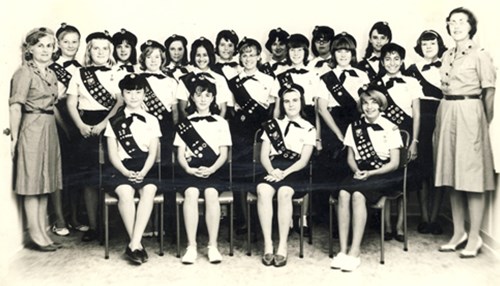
x: 386, y: 77
x: 127, y: 112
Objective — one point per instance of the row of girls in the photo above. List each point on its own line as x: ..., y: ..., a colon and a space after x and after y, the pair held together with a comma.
x: 248, y: 94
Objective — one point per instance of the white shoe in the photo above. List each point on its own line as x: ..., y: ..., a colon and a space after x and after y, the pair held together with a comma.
x: 61, y: 231
x: 214, y: 255
x: 190, y: 255
x: 351, y: 263
x: 338, y: 261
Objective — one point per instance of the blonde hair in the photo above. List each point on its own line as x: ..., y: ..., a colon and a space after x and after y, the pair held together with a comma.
x: 88, y: 59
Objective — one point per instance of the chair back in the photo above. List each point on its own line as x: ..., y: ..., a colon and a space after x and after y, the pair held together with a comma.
x: 403, y: 156
x: 256, y: 148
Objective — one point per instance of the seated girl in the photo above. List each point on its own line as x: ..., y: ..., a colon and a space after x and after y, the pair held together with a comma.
x: 373, y: 156
x: 133, y: 136
x: 288, y: 143
x: 202, y: 141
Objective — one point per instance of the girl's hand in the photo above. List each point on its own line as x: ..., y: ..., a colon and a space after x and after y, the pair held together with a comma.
x: 196, y: 172
x: 271, y: 178
x: 139, y: 177
x: 85, y: 130
x: 205, y: 171
x: 319, y: 146
x: 413, y: 151
x: 278, y: 174
x: 361, y: 175
x: 97, y: 129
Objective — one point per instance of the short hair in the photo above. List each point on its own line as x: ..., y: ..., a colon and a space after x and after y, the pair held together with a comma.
x: 169, y: 41
x: 205, y: 43
x: 429, y: 35
x: 287, y: 89
x: 371, y: 93
x: 344, y: 41
x: 88, y: 59
x: 471, y: 19
x: 147, y: 49
x: 297, y: 41
x: 228, y: 35
x: 133, y: 82
x: 201, y: 84
x: 128, y: 37
x: 321, y: 32
x: 32, y: 38
x: 275, y: 35
x: 63, y: 30
x: 392, y: 47
x: 381, y: 27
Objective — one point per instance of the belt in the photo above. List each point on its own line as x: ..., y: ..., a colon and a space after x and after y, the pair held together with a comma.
x: 38, y: 111
x: 461, y: 97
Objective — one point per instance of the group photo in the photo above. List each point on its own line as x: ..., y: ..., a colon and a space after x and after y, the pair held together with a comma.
x: 247, y: 143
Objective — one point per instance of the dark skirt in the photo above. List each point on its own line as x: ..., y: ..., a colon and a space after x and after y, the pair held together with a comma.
x: 113, y: 178
x: 428, y: 110
x: 298, y: 181
x: 374, y: 187
x: 218, y: 180
x: 87, y: 151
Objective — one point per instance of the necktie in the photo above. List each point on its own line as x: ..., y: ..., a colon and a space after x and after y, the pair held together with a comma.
x: 243, y: 79
x: 138, y: 116
x: 428, y: 66
x: 177, y: 67
x: 288, y: 126
x: 128, y: 68
x: 374, y: 126
x: 72, y: 62
x: 297, y: 71
x: 208, y: 118
x: 390, y: 82
x: 374, y: 59
x: 276, y: 64
x: 350, y: 72
x: 321, y: 63
x: 158, y: 76
x: 229, y: 64
x: 98, y: 68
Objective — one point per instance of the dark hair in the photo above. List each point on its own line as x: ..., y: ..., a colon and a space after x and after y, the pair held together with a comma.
x: 297, y: 41
x: 61, y: 32
x: 291, y: 88
x: 367, y: 91
x: 169, y: 41
x: 201, y: 84
x: 147, y: 49
x: 32, y: 38
x: 277, y: 34
x: 429, y: 35
x: 393, y: 48
x: 471, y: 19
x: 228, y: 35
x: 344, y: 41
x: 321, y: 32
x: 128, y: 37
x: 382, y: 28
x: 133, y: 82
x: 203, y: 42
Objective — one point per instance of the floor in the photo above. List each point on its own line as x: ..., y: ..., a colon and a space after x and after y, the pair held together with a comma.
x: 81, y: 263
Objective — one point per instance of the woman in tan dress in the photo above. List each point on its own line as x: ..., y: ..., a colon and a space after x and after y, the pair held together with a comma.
x: 35, y: 144
x: 462, y: 149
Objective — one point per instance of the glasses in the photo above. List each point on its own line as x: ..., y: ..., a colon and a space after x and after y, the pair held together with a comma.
x: 321, y: 41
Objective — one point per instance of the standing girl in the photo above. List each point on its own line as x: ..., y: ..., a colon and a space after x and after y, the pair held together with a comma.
x: 176, y: 64
x: 464, y: 160
x: 203, y: 58
x: 202, y: 142
x: 125, y: 53
x: 225, y: 49
x: 380, y: 34
x: 276, y: 45
x: 35, y: 145
x: 430, y: 47
x: 321, y: 48
x: 93, y: 97
x: 287, y: 145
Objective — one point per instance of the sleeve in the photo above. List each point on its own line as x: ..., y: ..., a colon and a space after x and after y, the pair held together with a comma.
x: 224, y: 95
x: 322, y: 91
x: 225, y: 134
x: 364, y: 79
x: 275, y: 88
x: 415, y: 89
x: 486, y: 70
x: 181, y: 92
x: 310, y: 138
x: 20, y: 86
x: 394, y: 140
x: 73, y: 84
x: 264, y: 136
x: 108, y: 132
x: 349, y: 139
x: 155, y: 128
x: 178, y: 141
x: 172, y: 90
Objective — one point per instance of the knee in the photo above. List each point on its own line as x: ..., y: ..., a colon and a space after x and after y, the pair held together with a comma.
x: 358, y: 198
x: 285, y: 193
x: 211, y: 196
x: 265, y: 192
x: 191, y: 194
x: 125, y: 193
x: 344, y: 197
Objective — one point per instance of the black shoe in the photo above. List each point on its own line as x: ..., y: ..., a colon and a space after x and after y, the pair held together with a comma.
x: 279, y: 260
x: 268, y: 259
x: 134, y: 256
x: 388, y: 236
x: 400, y: 237
x: 424, y: 227
x: 89, y: 235
x: 46, y: 248
x: 435, y: 228
x: 241, y: 230
x: 144, y: 254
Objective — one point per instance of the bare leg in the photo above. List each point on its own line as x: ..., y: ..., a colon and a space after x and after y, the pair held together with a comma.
x: 265, y: 194
x: 212, y: 215
x: 126, y: 207
x: 42, y: 217
x: 285, y: 210
x: 344, y: 219
x: 190, y: 209
x: 358, y: 222
x: 476, y: 210
x: 56, y: 198
x: 458, y: 214
x: 91, y: 197
x: 143, y: 214
x: 31, y: 207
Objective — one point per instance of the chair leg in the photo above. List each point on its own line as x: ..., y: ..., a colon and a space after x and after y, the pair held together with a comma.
x: 310, y: 219
x: 405, y: 225
x: 106, y: 232
x: 249, y: 229
x: 231, y: 225
x: 301, y: 224
x: 178, y: 232
x: 330, y: 233
x: 161, y: 228
x: 382, y: 233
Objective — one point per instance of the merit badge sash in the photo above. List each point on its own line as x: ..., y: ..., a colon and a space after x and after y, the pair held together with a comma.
x: 393, y: 112
x: 96, y: 89
x: 337, y: 90
x: 369, y: 158
x: 121, y: 127
x: 427, y: 88
x: 153, y: 103
x: 267, y: 69
x: 250, y: 107
x: 61, y: 73
x: 277, y: 140
x: 195, y: 142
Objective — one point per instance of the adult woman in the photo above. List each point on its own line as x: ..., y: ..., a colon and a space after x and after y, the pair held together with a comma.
x: 287, y: 146
x: 35, y: 144
x: 93, y: 97
x: 462, y: 144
